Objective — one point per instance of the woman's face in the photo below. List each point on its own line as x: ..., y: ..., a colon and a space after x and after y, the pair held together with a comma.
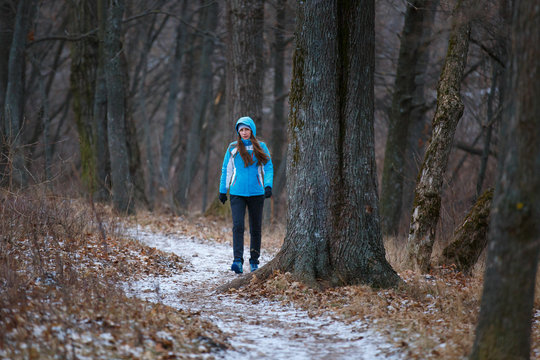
x: 245, y: 133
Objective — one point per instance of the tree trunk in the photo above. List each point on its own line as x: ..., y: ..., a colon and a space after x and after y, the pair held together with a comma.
x: 506, y: 311
x: 122, y: 187
x: 245, y: 20
x: 172, y: 104
x: 427, y: 200
x: 210, y: 128
x: 103, y: 163
x: 333, y: 231
x: 45, y: 123
x: 401, y: 116
x: 420, y: 126
x: 84, y: 63
x: 193, y: 148
x: 489, y: 125
x: 133, y: 149
x: 279, y: 126
x: 14, y: 102
x: 7, y: 14
x: 142, y: 108
x: 470, y: 238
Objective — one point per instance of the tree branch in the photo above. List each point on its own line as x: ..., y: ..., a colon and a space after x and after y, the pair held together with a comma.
x: 470, y: 149
x: 489, y: 52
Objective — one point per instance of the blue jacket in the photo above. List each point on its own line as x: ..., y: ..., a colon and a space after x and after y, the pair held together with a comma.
x: 239, y: 179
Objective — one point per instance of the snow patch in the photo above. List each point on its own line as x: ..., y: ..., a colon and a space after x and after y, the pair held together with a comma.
x: 256, y: 329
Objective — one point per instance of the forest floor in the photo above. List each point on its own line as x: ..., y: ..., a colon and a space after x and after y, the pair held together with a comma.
x: 144, y: 287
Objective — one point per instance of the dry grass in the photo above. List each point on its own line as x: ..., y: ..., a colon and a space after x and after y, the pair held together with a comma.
x: 64, y: 298
x: 430, y: 317
x: 61, y: 294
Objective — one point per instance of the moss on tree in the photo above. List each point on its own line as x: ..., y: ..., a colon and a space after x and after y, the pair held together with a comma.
x: 470, y: 238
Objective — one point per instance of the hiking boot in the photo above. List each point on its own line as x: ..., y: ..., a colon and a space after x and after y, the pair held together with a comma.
x: 237, y: 267
x: 254, y: 267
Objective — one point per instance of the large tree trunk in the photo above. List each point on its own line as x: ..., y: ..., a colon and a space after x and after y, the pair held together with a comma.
x: 333, y: 231
x: 427, y: 201
x: 470, y: 238
x: 14, y: 101
x: 122, y: 187
x: 504, y: 324
x: 84, y: 63
x: 412, y: 44
x: 245, y: 19
x: 193, y: 148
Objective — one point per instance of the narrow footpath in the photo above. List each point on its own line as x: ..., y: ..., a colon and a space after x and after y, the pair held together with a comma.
x: 256, y: 329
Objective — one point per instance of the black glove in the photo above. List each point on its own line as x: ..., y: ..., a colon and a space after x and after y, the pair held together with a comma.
x: 222, y: 197
x: 267, y: 192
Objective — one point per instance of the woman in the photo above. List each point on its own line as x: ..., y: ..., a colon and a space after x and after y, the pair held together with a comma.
x: 248, y: 174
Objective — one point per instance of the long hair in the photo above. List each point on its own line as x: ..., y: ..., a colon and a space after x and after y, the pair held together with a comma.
x: 260, y: 155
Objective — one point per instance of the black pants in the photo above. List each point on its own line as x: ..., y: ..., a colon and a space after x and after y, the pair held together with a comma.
x: 255, y: 206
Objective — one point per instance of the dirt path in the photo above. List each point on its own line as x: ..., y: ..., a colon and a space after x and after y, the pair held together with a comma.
x: 256, y: 329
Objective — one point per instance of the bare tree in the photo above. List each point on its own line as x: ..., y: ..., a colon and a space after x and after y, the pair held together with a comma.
x: 103, y: 164
x: 7, y: 15
x: 427, y: 201
x: 333, y: 231
x: 84, y: 64
x: 504, y: 324
x: 14, y: 101
x: 245, y: 19
x: 209, y: 19
x: 280, y: 96
x: 122, y: 186
x: 418, y: 14
x: 165, y: 193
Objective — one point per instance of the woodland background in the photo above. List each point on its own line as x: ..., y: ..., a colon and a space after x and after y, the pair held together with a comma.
x: 112, y: 108
x: 176, y: 114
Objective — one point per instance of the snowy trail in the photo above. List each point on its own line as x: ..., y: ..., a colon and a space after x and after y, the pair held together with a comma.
x: 256, y: 329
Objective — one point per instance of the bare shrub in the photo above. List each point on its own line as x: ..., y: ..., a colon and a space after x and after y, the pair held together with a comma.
x: 61, y: 293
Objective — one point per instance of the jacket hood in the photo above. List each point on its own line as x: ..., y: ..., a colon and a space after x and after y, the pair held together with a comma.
x: 246, y: 120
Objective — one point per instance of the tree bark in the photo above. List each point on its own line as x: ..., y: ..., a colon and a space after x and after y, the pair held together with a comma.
x: 279, y: 126
x: 506, y: 311
x: 165, y: 191
x: 84, y: 63
x: 470, y: 238
x: 209, y: 129
x: 420, y: 126
x: 490, y: 121
x: 193, y: 148
x: 7, y: 14
x: 401, y: 115
x: 122, y: 187
x: 103, y: 163
x: 333, y: 230
x: 245, y: 20
x: 427, y: 200
x: 14, y: 101
x: 142, y: 108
